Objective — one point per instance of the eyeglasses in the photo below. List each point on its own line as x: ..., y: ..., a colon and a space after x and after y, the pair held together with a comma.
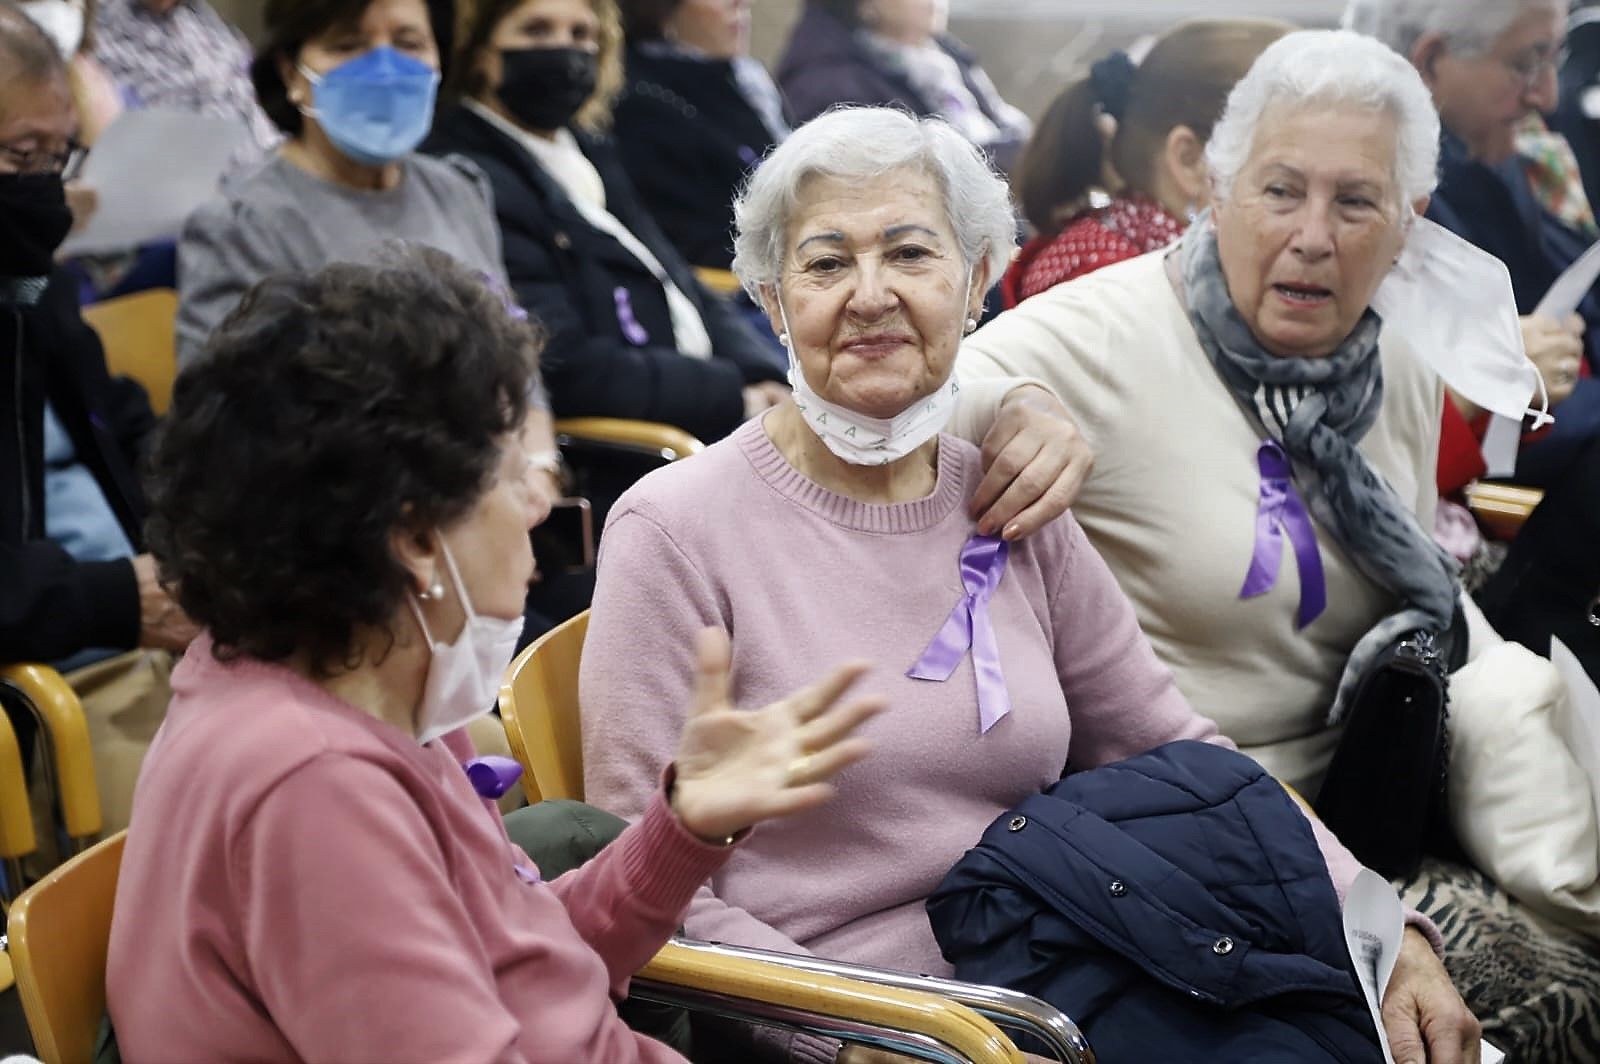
x: 33, y: 161
x: 1529, y: 67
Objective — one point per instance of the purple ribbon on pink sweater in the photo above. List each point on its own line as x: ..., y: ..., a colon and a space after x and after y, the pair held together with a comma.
x: 490, y: 775
x: 1280, y: 510
x: 969, y: 626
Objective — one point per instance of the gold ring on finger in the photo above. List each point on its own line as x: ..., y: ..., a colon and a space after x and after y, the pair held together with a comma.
x: 798, y: 770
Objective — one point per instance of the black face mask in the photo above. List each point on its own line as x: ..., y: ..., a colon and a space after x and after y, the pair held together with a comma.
x: 34, y: 219
x: 544, y: 87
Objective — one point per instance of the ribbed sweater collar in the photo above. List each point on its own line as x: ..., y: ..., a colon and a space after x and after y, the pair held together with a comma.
x: 883, y: 518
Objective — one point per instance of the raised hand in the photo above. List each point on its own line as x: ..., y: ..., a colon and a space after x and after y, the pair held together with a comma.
x: 738, y: 767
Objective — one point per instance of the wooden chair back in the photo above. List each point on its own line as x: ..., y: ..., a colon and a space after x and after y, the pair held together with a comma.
x: 539, y: 707
x: 140, y: 335
x: 59, y: 930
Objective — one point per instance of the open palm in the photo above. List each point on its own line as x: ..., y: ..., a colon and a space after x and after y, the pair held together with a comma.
x: 738, y: 767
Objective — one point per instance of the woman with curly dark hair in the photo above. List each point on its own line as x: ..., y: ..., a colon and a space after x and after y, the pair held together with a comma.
x: 342, y: 499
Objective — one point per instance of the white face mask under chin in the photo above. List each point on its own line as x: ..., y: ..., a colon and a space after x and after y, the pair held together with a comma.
x: 463, y: 677
x: 858, y: 438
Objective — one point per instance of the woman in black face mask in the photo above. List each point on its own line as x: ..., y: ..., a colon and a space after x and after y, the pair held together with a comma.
x: 631, y: 332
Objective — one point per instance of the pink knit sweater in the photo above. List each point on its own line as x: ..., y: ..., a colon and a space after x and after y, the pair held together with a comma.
x: 304, y: 882
x: 803, y: 578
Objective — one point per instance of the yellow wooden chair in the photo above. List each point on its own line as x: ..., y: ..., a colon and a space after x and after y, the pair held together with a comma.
x: 17, y: 838
x: 58, y: 931
x: 1502, y: 508
x: 722, y: 282
x: 139, y: 334
x: 668, y: 442
x: 60, y: 928
x: 69, y: 757
x: 539, y: 708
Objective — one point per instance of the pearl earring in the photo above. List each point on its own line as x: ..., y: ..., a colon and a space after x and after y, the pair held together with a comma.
x: 434, y: 591
x: 783, y: 338
x: 972, y: 326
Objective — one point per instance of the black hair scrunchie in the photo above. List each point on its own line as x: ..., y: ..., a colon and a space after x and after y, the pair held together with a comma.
x: 1112, y: 81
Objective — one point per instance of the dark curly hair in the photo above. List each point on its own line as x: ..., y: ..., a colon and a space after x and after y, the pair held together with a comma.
x: 329, y: 410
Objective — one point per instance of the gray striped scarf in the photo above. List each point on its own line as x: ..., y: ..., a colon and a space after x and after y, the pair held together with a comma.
x: 1319, y: 409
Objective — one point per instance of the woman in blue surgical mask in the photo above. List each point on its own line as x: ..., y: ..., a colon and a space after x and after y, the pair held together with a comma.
x: 352, y: 85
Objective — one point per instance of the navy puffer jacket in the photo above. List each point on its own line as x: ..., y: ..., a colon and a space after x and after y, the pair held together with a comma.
x: 1175, y: 905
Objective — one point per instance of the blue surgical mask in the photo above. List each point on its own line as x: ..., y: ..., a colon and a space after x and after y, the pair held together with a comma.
x: 375, y: 107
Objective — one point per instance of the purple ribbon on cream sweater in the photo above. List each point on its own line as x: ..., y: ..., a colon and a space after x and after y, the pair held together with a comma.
x: 1279, y: 511
x: 969, y: 626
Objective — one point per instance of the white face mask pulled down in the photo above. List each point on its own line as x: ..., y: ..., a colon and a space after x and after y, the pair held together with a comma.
x: 1454, y: 304
x: 463, y: 677
x: 858, y: 438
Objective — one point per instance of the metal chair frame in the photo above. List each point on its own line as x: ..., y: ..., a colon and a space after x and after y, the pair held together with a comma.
x: 1009, y: 1010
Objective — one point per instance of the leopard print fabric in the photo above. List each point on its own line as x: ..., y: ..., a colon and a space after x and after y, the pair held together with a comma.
x: 1535, y: 986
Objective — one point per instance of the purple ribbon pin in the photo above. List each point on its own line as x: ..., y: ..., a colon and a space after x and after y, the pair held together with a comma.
x: 491, y: 776
x: 969, y: 626
x: 632, y: 331
x: 1280, y: 510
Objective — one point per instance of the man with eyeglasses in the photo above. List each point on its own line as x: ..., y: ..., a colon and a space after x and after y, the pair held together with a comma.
x: 76, y: 589
x: 1491, y: 64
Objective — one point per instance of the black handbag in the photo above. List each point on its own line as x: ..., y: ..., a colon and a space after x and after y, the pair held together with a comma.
x: 1385, y: 789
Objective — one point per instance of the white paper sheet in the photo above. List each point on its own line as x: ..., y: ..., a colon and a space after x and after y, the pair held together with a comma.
x: 151, y: 167
x: 1579, y: 720
x: 1570, y: 288
x: 1374, y: 924
x: 1500, y: 445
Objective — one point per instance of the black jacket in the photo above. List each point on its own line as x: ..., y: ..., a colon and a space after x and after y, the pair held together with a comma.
x: 590, y: 293
x: 688, y: 137
x: 51, y: 605
x: 1174, y: 904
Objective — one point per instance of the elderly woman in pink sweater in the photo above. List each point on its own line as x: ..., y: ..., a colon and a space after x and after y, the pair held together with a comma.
x: 343, y: 499
x: 836, y: 524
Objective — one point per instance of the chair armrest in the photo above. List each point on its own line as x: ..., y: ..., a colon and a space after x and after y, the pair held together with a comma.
x: 1009, y: 1009
x: 754, y: 988
x: 66, y: 729
x: 722, y: 282
x: 1502, y: 508
x: 669, y: 441
x: 16, y: 814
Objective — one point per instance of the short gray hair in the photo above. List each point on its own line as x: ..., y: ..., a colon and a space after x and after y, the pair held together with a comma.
x: 28, y: 58
x: 1467, y: 26
x: 859, y: 144
x: 1314, y: 68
